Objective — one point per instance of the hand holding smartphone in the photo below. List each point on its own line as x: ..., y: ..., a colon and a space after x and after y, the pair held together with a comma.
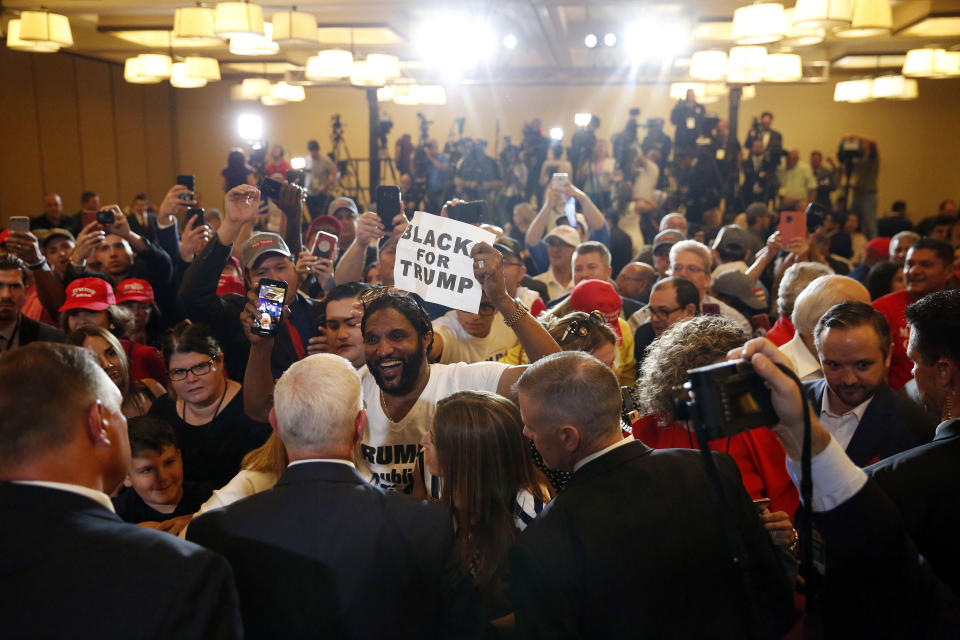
x: 270, y: 294
x: 559, y: 181
x: 187, y: 181
x: 389, y: 205
x: 324, y: 244
x: 20, y: 223
x: 793, y: 224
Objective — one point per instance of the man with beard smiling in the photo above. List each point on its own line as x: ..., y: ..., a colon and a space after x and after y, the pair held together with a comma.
x: 855, y: 404
x: 400, y: 388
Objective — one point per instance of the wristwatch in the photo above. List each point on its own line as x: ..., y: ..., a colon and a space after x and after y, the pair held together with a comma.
x: 519, y: 312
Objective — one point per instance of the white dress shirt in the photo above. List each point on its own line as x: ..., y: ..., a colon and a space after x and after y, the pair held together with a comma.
x: 87, y: 492
x: 806, y: 366
x: 841, y: 425
x: 597, y: 454
x: 835, y: 478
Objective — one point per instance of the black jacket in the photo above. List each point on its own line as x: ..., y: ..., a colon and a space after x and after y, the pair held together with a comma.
x: 73, y: 569
x: 892, y: 423
x: 199, y: 300
x: 634, y: 547
x: 32, y: 331
x: 325, y: 555
x: 925, y: 486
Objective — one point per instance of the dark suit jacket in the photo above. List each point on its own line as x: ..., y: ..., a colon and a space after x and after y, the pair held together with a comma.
x: 325, y: 555
x: 924, y: 484
x: 198, y: 298
x: 892, y: 423
x: 635, y: 547
x: 71, y: 568
x: 876, y: 585
x: 149, y: 231
x: 32, y: 331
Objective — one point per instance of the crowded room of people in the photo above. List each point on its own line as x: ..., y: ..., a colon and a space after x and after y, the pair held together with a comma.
x: 495, y: 320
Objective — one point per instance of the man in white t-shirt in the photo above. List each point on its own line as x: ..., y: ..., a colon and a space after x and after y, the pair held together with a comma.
x: 400, y: 388
x: 460, y: 336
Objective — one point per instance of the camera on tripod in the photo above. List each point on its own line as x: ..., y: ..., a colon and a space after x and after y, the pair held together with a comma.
x: 850, y: 149
x: 384, y: 126
x: 725, y: 398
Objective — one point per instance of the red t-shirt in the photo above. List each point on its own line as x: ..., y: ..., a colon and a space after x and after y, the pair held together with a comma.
x: 892, y: 306
x: 781, y: 332
x: 280, y: 167
x: 758, y: 454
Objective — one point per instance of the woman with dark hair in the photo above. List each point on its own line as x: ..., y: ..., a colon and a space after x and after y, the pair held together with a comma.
x: 206, y: 409
x: 489, y: 483
x: 237, y: 171
x: 138, y: 395
x: 883, y: 278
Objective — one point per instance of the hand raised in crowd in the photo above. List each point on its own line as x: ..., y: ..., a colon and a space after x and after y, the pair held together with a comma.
x: 291, y: 198
x: 488, y: 269
x: 195, y: 237
x: 570, y: 190
x: 241, y: 204
x: 249, y: 317
x: 310, y: 265
x: 25, y: 246
x: 368, y: 229
x: 120, y: 225
x: 87, y: 241
x: 172, y: 204
x: 445, y: 211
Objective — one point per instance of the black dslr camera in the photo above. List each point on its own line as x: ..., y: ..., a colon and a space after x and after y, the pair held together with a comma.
x: 725, y: 399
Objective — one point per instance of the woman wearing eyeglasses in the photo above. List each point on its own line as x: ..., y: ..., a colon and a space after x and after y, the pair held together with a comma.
x: 206, y: 408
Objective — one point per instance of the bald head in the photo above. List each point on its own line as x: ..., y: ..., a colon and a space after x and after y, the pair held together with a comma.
x: 674, y: 221
x: 52, y: 205
x: 819, y: 296
x: 635, y: 279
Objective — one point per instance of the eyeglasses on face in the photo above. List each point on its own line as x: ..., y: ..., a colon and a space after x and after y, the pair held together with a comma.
x: 201, y: 369
x: 691, y: 269
x: 663, y: 314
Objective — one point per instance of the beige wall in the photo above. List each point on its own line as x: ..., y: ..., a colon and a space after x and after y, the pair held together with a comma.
x: 69, y: 124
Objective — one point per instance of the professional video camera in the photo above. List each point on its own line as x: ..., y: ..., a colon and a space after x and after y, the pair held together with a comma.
x: 384, y: 126
x: 850, y: 149
x: 725, y: 398
x: 337, y: 126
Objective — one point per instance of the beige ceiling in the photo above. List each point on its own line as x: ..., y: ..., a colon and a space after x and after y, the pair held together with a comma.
x: 550, y: 34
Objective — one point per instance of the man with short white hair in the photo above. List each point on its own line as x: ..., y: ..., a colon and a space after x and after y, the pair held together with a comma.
x: 814, y: 301
x: 317, y: 551
x: 691, y: 260
x: 674, y: 221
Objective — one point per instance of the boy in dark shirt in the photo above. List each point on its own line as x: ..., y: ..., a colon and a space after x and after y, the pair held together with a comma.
x: 156, y: 495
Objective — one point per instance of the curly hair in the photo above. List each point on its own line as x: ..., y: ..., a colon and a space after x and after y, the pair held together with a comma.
x: 597, y: 335
x: 696, y: 342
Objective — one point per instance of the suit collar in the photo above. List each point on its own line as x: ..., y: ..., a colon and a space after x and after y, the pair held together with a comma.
x: 34, y: 497
x: 872, y: 428
x: 610, y: 460
x: 320, y: 471
x: 947, y: 429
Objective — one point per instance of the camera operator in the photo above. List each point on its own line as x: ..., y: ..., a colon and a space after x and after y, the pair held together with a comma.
x: 771, y: 140
x: 626, y: 147
x: 581, y: 150
x: 657, y: 140
x: 874, y: 582
x: 687, y: 116
x: 726, y: 152
x: 862, y: 163
x: 436, y: 175
x: 533, y: 151
x: 759, y: 175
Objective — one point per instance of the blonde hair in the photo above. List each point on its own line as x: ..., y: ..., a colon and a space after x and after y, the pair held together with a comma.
x: 270, y: 457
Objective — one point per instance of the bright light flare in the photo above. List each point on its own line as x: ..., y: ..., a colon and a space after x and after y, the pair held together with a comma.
x: 556, y: 133
x: 298, y: 163
x: 651, y: 40
x: 510, y: 41
x: 590, y: 40
x: 582, y: 119
x: 454, y: 43
x: 250, y: 126
x: 610, y: 39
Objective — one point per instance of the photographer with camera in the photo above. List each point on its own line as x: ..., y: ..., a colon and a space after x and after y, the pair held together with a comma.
x: 861, y: 161
x: 759, y: 175
x: 634, y: 523
x: 873, y: 580
x: 770, y: 139
x: 687, y: 116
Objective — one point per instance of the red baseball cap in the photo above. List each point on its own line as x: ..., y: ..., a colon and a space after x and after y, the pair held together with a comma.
x: 598, y: 295
x: 879, y: 248
x: 93, y: 294
x: 230, y: 284
x: 134, y: 290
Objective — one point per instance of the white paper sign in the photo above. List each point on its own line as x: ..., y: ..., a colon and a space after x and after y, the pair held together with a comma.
x: 433, y: 261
